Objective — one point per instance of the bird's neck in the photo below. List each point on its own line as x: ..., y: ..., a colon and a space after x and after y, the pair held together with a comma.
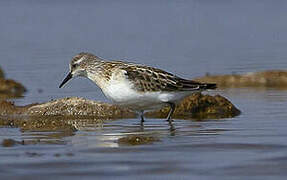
x: 99, y: 75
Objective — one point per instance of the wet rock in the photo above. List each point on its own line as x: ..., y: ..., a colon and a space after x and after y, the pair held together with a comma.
x: 67, y: 115
x: 57, y: 128
x: 265, y: 79
x: 137, y: 140
x: 8, y: 108
x: 195, y: 106
x: 199, y: 106
x: 62, y: 125
x: 10, y: 89
x: 79, y: 107
x: 1, y: 74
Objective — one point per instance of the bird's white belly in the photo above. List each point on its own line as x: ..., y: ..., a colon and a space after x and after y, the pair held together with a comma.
x: 123, y: 93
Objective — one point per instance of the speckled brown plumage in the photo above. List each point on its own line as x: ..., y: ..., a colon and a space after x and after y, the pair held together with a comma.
x: 144, y: 78
x: 152, y: 79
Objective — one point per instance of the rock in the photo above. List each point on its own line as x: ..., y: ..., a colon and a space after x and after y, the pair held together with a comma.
x: 199, y: 106
x: 67, y: 115
x: 79, y: 107
x: 10, y: 88
x: 8, y: 108
x: 137, y: 140
x: 195, y: 106
x: 1, y: 74
x: 265, y: 79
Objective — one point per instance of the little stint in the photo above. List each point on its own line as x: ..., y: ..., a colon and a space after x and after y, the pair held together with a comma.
x: 137, y: 87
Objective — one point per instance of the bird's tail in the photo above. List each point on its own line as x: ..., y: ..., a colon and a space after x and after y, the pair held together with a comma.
x: 188, y: 85
x: 209, y: 86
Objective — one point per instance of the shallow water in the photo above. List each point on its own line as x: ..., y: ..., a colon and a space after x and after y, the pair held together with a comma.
x: 189, y: 38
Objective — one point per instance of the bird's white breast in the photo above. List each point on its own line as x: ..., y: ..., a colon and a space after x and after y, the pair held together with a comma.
x: 122, y: 91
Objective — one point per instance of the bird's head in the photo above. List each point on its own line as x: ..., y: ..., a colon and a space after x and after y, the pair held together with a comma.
x: 79, y: 66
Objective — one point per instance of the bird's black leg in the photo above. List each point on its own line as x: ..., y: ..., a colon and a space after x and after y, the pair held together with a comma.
x: 142, y: 116
x: 172, y: 108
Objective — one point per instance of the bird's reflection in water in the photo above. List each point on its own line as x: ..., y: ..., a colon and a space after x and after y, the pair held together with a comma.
x: 96, y: 132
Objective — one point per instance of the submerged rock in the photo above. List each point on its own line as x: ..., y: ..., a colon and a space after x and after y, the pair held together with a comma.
x: 9, y: 142
x: 271, y: 79
x: 137, y: 140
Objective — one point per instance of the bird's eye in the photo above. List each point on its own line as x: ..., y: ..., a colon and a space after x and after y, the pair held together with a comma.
x: 74, y: 65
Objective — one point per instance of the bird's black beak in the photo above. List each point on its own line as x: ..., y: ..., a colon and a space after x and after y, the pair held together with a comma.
x: 68, y: 77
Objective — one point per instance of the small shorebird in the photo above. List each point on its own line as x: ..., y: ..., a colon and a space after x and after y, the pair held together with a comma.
x: 134, y: 86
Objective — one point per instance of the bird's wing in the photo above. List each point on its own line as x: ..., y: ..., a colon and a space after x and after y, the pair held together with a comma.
x: 147, y: 78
